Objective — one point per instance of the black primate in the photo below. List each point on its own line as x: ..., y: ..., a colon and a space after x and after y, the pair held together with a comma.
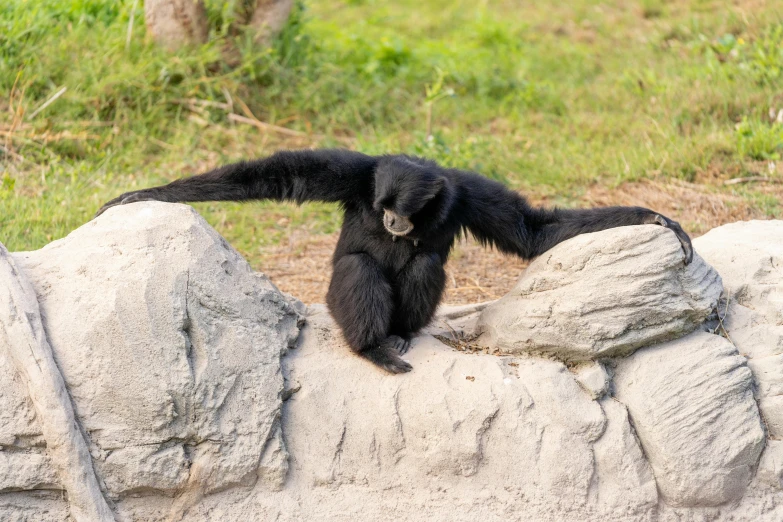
x: 402, y: 215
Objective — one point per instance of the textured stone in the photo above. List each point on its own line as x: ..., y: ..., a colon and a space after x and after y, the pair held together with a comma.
x: 24, y: 343
x: 23, y: 462
x: 593, y: 378
x: 771, y: 464
x: 165, y: 337
x: 520, y: 425
x: 626, y: 480
x: 601, y: 295
x: 692, y: 405
x: 30, y: 470
x: 749, y: 257
x: 176, y: 357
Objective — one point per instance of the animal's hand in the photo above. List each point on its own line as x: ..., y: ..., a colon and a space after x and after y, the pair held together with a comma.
x: 675, y: 227
x: 128, y: 197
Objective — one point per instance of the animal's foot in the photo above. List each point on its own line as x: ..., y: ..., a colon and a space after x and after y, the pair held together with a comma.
x: 386, y: 355
x: 401, y: 344
x: 675, y: 227
x: 128, y: 197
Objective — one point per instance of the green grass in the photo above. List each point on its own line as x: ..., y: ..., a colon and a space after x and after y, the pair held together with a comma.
x: 548, y: 98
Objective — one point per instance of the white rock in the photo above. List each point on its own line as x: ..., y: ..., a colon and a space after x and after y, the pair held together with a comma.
x: 23, y: 460
x: 750, y: 331
x: 593, y: 378
x: 603, y: 294
x: 692, y: 405
x: 626, y: 479
x: 27, y: 471
x: 24, y: 343
x: 517, y: 425
x: 771, y: 464
x: 170, y: 346
x: 171, y: 349
x: 749, y: 257
x: 762, y: 343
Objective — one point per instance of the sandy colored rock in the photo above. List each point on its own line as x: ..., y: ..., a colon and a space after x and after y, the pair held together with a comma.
x: 165, y: 336
x: 749, y: 257
x: 692, y: 405
x: 603, y: 295
x: 25, y: 345
x: 627, y: 483
x: 762, y: 343
x: 593, y: 378
x: 23, y: 460
x: 177, y: 358
x: 771, y: 464
x: 523, y: 426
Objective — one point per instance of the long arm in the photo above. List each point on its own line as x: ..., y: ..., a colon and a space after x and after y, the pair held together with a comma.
x: 500, y: 217
x: 303, y: 175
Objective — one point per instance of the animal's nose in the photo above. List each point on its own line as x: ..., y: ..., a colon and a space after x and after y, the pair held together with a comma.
x: 391, y: 221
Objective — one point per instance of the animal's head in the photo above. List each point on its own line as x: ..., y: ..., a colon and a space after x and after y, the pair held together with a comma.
x: 411, y: 193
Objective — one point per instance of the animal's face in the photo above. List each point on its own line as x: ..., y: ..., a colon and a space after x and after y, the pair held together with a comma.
x: 402, y: 189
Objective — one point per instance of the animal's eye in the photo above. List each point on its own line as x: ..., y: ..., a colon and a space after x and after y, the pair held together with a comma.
x: 385, y: 203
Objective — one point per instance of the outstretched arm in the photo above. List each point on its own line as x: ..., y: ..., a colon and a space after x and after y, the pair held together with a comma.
x: 497, y: 216
x: 303, y: 175
x: 550, y: 227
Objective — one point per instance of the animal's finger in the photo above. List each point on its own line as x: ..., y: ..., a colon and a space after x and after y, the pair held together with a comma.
x: 108, y: 205
x: 687, y: 246
x: 398, y: 366
x: 682, y: 236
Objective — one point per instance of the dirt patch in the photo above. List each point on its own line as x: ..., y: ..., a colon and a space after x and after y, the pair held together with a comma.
x: 303, y: 266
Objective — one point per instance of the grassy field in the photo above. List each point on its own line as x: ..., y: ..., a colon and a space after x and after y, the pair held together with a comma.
x: 571, y: 103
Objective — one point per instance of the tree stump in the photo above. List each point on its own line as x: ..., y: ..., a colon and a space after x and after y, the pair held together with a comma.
x: 174, y: 23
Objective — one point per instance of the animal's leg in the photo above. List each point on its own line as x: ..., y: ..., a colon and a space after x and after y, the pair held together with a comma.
x: 419, y: 287
x: 361, y: 301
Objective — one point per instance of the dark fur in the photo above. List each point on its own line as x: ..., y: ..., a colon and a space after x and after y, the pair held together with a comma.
x: 385, y: 289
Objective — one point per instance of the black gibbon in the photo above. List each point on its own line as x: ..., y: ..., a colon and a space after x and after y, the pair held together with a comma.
x: 402, y: 216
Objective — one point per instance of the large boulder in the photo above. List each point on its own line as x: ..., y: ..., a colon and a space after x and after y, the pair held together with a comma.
x: 691, y: 402
x: 749, y: 256
x: 603, y: 294
x: 462, y: 434
x: 175, y: 357
x: 164, y: 336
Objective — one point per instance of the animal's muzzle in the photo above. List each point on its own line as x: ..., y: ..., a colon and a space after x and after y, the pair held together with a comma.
x: 395, y: 223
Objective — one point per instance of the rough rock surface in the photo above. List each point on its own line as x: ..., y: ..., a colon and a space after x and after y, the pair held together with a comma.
x: 771, y: 464
x: 176, y: 359
x: 463, y: 434
x: 603, y: 295
x: 164, y: 336
x: 700, y: 383
x: 23, y: 459
x: 749, y: 256
x: 25, y: 343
